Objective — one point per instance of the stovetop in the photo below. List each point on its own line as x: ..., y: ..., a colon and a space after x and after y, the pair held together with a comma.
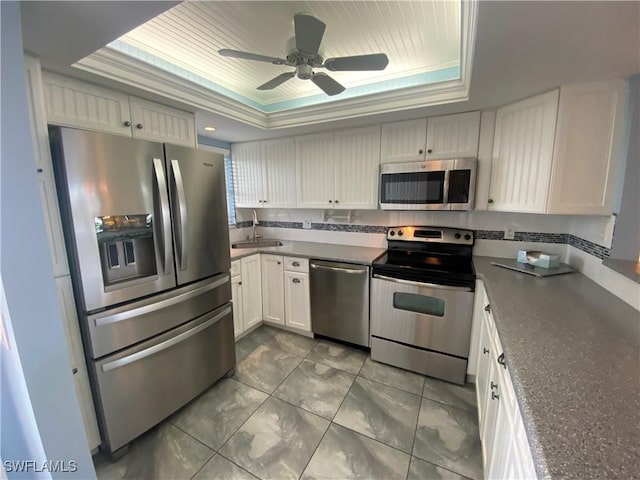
x: 437, y: 255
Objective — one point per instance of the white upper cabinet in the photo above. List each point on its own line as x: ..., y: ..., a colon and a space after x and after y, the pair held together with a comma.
x: 588, y: 148
x: 453, y: 136
x: 560, y: 152
x: 448, y: 136
x: 403, y: 141
x: 74, y: 103
x: 264, y: 173
x: 522, y: 154
x: 357, y: 159
x: 248, y: 178
x: 159, y: 123
x: 315, y: 169
x: 279, y: 160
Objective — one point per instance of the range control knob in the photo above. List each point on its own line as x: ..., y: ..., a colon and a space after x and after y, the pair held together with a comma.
x: 457, y: 236
x: 467, y: 237
x: 392, y: 233
x: 400, y: 233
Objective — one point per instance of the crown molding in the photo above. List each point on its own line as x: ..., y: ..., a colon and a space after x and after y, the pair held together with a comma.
x: 110, y: 63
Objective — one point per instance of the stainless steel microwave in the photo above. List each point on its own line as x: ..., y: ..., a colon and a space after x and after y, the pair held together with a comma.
x: 429, y: 185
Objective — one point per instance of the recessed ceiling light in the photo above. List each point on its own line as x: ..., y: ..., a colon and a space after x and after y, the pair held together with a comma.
x: 210, y: 129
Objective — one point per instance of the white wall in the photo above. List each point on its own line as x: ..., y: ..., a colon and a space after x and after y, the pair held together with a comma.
x: 33, y: 311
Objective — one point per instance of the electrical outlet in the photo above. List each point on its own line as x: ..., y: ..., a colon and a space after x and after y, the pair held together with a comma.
x: 510, y: 233
x: 306, y: 223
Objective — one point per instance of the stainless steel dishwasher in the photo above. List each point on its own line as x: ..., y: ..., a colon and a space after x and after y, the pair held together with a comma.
x: 340, y: 301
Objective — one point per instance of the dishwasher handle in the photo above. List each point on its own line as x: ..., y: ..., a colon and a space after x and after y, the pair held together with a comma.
x: 338, y: 267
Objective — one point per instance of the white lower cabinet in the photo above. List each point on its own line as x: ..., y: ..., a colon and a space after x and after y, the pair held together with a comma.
x: 273, y: 289
x: 76, y: 360
x: 505, y: 448
x: 297, y: 300
x: 246, y: 293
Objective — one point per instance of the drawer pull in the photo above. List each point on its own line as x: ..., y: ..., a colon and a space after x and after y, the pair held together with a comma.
x: 487, y: 308
x: 295, y: 264
x: 495, y: 396
x: 74, y: 371
x: 501, y: 360
x: 494, y: 386
x: 296, y: 280
x: 485, y: 350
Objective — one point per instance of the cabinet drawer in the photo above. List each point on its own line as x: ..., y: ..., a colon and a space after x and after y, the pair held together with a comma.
x: 296, y: 264
x: 235, y: 268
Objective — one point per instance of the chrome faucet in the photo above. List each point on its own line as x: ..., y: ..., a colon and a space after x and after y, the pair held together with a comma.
x: 255, y: 223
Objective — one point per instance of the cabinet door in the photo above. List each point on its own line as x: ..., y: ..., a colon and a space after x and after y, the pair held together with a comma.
x: 279, y: 157
x: 79, y: 104
x: 482, y: 377
x: 46, y: 183
x: 236, y: 299
x: 403, y: 141
x: 522, y: 154
x: 297, y: 300
x: 159, y: 123
x: 491, y: 409
x: 248, y: 178
x: 76, y: 360
x: 453, y: 136
x: 251, y: 291
x: 315, y: 170
x: 273, y: 289
x: 357, y: 160
x: 588, y: 149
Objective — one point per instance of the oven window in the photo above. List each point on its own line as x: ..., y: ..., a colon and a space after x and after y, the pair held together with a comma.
x: 418, y: 304
x: 412, y: 188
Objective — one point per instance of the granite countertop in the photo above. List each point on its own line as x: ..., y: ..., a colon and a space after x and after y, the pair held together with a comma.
x: 573, y: 353
x: 322, y: 251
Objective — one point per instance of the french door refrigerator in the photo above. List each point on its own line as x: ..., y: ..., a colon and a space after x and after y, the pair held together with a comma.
x: 146, y: 228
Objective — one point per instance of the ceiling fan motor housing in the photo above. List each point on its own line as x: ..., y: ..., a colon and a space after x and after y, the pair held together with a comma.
x: 304, y: 72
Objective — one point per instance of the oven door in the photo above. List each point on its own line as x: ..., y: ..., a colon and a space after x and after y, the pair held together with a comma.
x: 432, y: 317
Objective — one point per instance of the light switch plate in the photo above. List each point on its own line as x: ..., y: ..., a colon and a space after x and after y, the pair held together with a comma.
x: 306, y: 223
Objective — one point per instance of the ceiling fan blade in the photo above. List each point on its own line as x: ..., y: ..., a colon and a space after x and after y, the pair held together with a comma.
x: 225, y: 52
x: 309, y: 32
x: 327, y: 84
x: 374, y: 61
x: 277, y: 81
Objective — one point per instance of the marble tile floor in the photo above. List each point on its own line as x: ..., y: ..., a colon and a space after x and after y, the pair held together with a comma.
x: 306, y: 408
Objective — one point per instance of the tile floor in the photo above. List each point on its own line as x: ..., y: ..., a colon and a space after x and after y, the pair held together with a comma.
x: 306, y: 408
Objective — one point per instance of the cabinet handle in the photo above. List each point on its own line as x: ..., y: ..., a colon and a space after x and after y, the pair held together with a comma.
x: 487, y: 308
x: 490, y: 200
x: 126, y: 123
x: 264, y: 201
x: 239, y: 283
x: 330, y: 201
x: 279, y: 263
x: 501, y: 360
x: 39, y: 170
x: 139, y: 126
x: 296, y: 280
x: 429, y: 151
x: 295, y: 264
x: 485, y: 350
x: 494, y: 385
x: 420, y: 151
x: 74, y: 371
x: 336, y: 201
x: 495, y: 396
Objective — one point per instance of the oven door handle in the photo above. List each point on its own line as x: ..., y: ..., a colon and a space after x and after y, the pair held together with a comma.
x: 422, y: 284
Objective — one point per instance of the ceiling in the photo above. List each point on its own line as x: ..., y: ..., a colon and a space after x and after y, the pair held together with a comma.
x: 521, y: 48
x: 419, y: 38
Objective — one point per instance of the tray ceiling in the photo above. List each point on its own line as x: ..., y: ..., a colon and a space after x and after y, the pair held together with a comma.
x: 427, y: 43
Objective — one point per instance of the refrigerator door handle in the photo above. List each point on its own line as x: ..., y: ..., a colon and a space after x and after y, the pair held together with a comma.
x: 134, y: 357
x: 165, y: 220
x: 182, y: 212
x: 152, y: 307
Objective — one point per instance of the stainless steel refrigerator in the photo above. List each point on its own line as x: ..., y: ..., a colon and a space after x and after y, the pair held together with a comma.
x: 147, y: 232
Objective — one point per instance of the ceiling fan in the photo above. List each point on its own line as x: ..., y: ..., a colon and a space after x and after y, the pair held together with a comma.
x: 304, y: 56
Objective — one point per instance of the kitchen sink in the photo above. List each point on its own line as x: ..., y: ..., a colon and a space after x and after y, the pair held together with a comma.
x: 256, y: 243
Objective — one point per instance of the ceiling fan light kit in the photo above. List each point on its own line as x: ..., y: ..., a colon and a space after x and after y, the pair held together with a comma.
x: 305, y: 57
